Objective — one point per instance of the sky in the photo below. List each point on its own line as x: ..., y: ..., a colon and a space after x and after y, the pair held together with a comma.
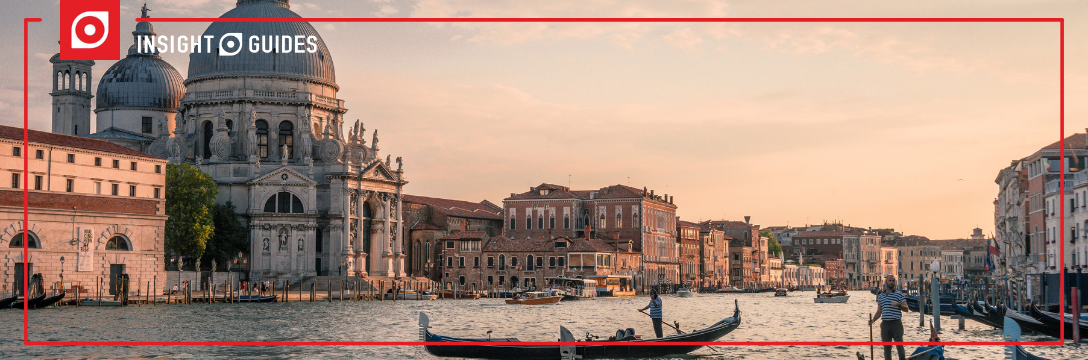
x: 901, y: 125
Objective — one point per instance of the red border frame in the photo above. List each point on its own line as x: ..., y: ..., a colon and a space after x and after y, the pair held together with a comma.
x: 1060, y: 21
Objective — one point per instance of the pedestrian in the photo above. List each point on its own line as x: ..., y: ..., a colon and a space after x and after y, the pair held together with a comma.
x: 655, y: 311
x: 174, y: 290
x: 890, y: 306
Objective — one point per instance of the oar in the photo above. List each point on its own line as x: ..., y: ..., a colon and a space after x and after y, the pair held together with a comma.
x: 871, y: 351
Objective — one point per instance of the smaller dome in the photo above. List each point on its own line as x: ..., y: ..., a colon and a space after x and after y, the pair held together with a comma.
x: 140, y: 81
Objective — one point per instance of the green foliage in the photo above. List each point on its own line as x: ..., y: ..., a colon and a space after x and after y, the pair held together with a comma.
x: 229, y: 238
x: 190, y: 196
x: 772, y: 244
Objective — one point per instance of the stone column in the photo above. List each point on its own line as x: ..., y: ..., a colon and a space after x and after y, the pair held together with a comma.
x: 360, y: 252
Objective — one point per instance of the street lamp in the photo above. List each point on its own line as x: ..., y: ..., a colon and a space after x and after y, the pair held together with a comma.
x: 62, y: 271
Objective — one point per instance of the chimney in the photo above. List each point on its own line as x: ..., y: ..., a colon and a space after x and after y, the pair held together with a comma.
x: 746, y: 219
x: 462, y: 224
x: 587, y: 232
x: 651, y: 194
x: 670, y: 199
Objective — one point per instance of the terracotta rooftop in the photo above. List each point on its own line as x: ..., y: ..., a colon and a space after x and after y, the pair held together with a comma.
x: 457, y: 207
x: 543, y: 244
x: 78, y: 142
x: 688, y: 224
x: 1075, y: 141
x: 728, y: 224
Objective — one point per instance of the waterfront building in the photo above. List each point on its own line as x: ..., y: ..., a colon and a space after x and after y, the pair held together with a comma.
x: 616, y: 214
x: 269, y: 129
x: 835, y: 271
x: 748, y: 234
x: 951, y: 263
x: 861, y: 255
x: 974, y: 263
x: 741, y: 266
x: 889, y: 261
x: 914, y: 261
x: 810, y: 276
x: 714, y: 263
x: 774, y: 266
x: 96, y: 210
x: 789, y: 274
x: 474, y: 260
x: 688, y: 239
x: 815, y: 243
x: 428, y: 219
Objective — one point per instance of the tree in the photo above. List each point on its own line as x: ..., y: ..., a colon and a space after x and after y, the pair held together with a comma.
x: 772, y: 243
x: 229, y: 237
x: 190, y: 196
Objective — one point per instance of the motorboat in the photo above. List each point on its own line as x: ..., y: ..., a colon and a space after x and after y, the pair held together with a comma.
x: 684, y: 293
x: 98, y: 302
x: 839, y: 297
x: 780, y: 292
x: 572, y: 289
x: 411, y: 295
x: 534, y: 298
x: 255, y: 299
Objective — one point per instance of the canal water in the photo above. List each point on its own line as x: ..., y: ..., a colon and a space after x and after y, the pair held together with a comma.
x: 765, y: 318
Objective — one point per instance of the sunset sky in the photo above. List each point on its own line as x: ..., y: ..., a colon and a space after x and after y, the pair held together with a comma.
x: 902, y: 125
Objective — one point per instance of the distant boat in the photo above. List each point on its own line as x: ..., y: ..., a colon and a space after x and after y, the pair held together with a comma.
x: 411, y: 295
x: 18, y: 304
x: 534, y: 298
x: 832, y: 298
x: 730, y: 290
x: 684, y: 293
x: 255, y: 298
x: 614, y: 285
x: 572, y: 288
x: 99, y: 302
x: 48, y: 301
x: 4, y: 303
x: 780, y: 292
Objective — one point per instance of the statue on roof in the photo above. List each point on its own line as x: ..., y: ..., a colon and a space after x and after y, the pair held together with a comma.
x: 144, y: 10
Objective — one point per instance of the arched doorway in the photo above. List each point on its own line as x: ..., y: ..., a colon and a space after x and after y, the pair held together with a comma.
x: 368, y: 213
x: 207, y: 140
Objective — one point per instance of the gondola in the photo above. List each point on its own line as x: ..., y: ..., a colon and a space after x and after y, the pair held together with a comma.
x: 1051, y: 320
x: 1012, y: 334
x: 967, y: 312
x: 584, y: 350
x: 255, y: 299
x: 1029, y: 323
x: 18, y: 304
x: 48, y: 301
x: 4, y: 303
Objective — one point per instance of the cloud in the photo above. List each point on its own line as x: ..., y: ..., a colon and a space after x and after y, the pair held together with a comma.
x: 387, y: 10
x: 683, y: 38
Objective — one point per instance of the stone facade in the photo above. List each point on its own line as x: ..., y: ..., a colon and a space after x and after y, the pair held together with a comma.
x: 80, y: 231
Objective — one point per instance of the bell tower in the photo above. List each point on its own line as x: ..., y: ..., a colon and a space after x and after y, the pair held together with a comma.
x: 71, y: 96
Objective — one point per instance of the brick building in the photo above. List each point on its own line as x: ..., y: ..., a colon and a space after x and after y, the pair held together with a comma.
x: 616, y: 214
x: 429, y: 219
x: 741, y: 267
x: 688, y: 237
x: 96, y: 210
x: 748, y: 234
x: 714, y: 263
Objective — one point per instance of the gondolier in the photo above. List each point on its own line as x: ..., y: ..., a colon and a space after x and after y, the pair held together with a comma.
x: 890, y: 306
x: 655, y: 311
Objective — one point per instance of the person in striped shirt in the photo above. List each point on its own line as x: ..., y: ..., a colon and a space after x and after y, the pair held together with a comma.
x: 890, y: 304
x: 655, y: 311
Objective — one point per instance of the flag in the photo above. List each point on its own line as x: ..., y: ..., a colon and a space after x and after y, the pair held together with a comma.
x: 992, y: 251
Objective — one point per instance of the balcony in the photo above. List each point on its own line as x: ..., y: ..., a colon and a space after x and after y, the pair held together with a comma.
x: 289, y: 96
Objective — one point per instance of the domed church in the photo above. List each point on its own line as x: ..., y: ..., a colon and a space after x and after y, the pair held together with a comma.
x: 268, y: 128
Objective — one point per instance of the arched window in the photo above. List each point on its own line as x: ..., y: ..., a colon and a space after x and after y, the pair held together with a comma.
x: 283, y: 203
x: 79, y: 81
x: 502, y: 262
x: 262, y: 139
x: 67, y: 80
x: 17, y: 241
x: 118, y: 243
x: 60, y: 80
x: 86, y: 82
x: 287, y: 138
x: 230, y: 125
x: 207, y: 139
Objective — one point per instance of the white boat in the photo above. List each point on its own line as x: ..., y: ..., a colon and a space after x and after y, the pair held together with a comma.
x: 411, y: 295
x: 684, y: 293
x: 833, y: 299
x: 98, y: 302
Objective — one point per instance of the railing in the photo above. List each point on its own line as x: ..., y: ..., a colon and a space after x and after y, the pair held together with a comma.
x: 261, y: 94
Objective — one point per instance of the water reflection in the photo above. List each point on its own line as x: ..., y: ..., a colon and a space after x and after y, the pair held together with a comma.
x: 765, y: 318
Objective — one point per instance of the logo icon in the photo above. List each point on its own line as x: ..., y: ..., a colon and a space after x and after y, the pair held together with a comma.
x: 90, y: 29
x: 230, y: 41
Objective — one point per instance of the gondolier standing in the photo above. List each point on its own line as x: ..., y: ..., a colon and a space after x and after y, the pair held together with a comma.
x: 890, y: 306
x: 655, y: 311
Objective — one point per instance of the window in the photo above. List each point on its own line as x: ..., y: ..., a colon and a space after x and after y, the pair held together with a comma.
x: 502, y: 264
x: 37, y: 182
x: 262, y: 139
x: 461, y: 279
x: 529, y: 263
x: 566, y: 222
x: 551, y: 261
x: 117, y: 243
x: 98, y: 188
x: 71, y: 158
x: 284, y: 203
x: 208, y: 139
x: 528, y: 222
x: 514, y: 261
x: 490, y: 261
x: 551, y: 222
x: 513, y: 223
x: 97, y: 161
x: 490, y: 280
x: 69, y: 185
x: 132, y: 190
x: 287, y: 138
x: 17, y: 241
x: 15, y: 180
x: 157, y: 193
x: 449, y: 261
x: 449, y: 244
x: 39, y: 154
x: 145, y: 125
x: 132, y: 166
x: 540, y: 262
x: 540, y: 222
x: 158, y: 169
x: 502, y: 279
x: 561, y: 261
x: 476, y: 262
x: 16, y: 151
x: 461, y: 261
x: 113, y: 190
x: 117, y: 164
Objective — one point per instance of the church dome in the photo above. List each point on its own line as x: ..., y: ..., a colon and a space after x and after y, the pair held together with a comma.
x: 140, y: 81
x: 316, y: 66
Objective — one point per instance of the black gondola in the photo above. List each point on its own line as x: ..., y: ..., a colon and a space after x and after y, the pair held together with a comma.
x: 968, y: 312
x: 1051, y: 320
x: 1011, y: 333
x: 1029, y: 323
x: 18, y: 304
x: 586, y: 351
x: 4, y: 303
x: 47, y: 301
x: 255, y: 299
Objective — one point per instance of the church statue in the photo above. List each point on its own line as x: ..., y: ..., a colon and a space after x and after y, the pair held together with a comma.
x: 251, y: 136
x: 300, y: 246
x: 400, y: 164
x: 265, y: 248
x: 374, y: 143
x: 284, y: 152
x: 162, y: 126
x: 144, y: 10
x: 283, y: 241
x: 387, y: 160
